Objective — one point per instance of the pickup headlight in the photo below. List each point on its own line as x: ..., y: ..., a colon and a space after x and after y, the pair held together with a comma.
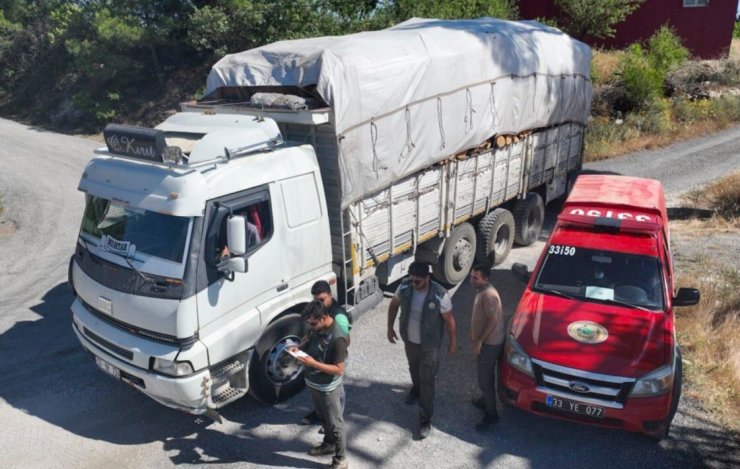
x: 654, y: 383
x: 172, y: 368
x: 517, y: 358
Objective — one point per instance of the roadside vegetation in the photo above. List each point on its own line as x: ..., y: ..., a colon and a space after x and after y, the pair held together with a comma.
x: 650, y: 95
x: 709, y: 332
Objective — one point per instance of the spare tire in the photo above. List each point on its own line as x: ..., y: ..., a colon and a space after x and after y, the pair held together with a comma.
x: 495, y: 236
x: 457, y: 256
x: 529, y: 214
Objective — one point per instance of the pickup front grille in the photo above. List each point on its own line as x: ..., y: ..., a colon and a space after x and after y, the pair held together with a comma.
x: 584, y: 386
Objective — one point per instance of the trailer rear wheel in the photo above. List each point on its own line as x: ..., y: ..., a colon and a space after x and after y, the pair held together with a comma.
x: 274, y: 375
x: 529, y: 213
x: 495, y: 236
x: 457, y: 256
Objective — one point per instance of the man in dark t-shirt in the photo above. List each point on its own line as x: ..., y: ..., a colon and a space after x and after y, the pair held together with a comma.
x: 325, y: 354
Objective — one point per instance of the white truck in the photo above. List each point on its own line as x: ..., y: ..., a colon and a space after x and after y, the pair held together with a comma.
x: 340, y: 159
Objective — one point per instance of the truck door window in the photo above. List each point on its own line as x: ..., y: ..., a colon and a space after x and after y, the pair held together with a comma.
x: 258, y: 218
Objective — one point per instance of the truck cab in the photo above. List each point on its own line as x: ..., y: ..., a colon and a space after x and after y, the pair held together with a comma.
x: 191, y: 264
x: 593, y: 337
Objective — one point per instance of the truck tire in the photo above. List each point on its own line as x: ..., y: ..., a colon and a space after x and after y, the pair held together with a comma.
x: 457, y: 256
x: 529, y: 214
x: 274, y: 375
x: 495, y: 236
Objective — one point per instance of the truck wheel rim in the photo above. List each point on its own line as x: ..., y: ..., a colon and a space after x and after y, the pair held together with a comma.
x: 502, y: 239
x: 463, y: 254
x: 281, y: 366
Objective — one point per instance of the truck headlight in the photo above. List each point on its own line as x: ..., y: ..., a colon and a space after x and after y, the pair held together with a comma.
x: 654, y: 383
x: 517, y: 358
x: 172, y: 368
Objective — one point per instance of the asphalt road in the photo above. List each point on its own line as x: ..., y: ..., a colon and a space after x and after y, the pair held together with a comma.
x: 58, y: 410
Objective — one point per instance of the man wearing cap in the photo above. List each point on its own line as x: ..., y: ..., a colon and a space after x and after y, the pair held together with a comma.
x: 426, y: 310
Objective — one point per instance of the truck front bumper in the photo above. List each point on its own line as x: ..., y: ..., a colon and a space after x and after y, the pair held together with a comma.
x: 185, y: 393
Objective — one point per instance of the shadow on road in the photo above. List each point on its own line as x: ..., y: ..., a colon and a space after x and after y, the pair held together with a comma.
x: 47, y: 375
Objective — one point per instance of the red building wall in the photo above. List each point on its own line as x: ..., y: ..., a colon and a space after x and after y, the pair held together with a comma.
x: 705, y: 31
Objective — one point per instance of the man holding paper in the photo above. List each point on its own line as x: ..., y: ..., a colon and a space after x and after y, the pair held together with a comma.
x: 325, y: 355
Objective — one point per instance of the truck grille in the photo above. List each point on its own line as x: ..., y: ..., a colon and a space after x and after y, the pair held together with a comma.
x: 594, y: 388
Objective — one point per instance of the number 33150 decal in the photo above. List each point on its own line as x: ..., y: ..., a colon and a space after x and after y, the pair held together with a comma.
x: 562, y: 250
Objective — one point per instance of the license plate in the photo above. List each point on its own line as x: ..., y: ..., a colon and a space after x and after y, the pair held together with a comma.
x: 108, y: 368
x: 574, y: 407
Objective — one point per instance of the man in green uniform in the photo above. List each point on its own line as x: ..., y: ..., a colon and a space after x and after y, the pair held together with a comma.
x: 321, y: 291
x: 426, y: 310
x: 325, y: 353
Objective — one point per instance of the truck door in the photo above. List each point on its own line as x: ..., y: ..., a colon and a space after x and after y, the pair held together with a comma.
x: 268, y: 274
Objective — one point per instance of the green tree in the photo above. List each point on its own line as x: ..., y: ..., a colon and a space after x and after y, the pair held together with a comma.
x: 402, y: 10
x: 595, y: 18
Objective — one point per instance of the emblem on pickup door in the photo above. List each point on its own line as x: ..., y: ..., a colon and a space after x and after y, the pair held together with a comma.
x: 587, y: 332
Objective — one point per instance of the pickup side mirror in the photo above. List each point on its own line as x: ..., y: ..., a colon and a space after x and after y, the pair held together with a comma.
x: 236, y: 235
x: 686, y: 297
x: 521, y: 272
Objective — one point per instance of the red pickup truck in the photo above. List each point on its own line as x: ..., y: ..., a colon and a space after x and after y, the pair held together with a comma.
x: 593, y: 337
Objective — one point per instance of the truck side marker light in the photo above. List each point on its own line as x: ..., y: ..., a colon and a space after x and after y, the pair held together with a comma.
x: 587, y: 332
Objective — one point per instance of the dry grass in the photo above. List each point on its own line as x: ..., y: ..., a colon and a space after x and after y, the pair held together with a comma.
x: 735, y: 49
x: 709, y: 333
x: 605, y: 63
x: 606, y: 150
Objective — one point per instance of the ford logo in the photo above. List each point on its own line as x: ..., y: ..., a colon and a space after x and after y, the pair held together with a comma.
x: 577, y: 386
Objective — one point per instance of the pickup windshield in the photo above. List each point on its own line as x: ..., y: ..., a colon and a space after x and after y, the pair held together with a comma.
x: 128, y: 230
x: 601, y: 276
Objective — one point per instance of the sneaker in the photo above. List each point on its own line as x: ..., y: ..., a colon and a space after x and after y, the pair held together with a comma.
x: 488, y: 421
x: 338, y: 464
x: 412, y: 396
x: 310, y: 418
x: 425, y: 428
x: 322, y: 449
x: 479, y: 403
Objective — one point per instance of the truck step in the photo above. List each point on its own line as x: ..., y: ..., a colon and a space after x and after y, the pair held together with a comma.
x: 222, y: 374
x: 226, y: 395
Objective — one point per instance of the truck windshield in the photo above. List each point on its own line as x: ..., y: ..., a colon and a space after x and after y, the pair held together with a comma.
x: 602, y: 276
x: 128, y: 230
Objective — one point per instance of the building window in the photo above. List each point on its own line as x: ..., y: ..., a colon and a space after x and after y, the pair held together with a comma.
x: 695, y: 3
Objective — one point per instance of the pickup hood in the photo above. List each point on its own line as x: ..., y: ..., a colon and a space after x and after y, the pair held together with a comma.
x: 638, y: 341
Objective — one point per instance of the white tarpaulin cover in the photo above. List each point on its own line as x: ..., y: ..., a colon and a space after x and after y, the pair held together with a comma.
x: 411, y: 95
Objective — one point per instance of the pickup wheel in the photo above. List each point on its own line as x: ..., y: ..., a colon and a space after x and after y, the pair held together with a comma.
x: 529, y: 214
x: 274, y: 375
x: 457, y: 256
x: 495, y: 236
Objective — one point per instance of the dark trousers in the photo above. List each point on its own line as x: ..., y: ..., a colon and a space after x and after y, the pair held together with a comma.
x: 487, y: 360
x: 423, y: 365
x: 329, y: 407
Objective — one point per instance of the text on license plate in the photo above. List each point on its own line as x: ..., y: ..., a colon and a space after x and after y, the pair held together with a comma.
x: 108, y: 368
x: 574, y: 407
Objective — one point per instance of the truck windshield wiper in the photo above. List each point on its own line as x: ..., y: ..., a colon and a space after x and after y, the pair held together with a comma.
x: 141, y: 274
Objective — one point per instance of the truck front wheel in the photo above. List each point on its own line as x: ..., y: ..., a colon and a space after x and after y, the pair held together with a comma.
x: 495, y: 236
x: 274, y: 375
x: 457, y: 256
x: 529, y: 214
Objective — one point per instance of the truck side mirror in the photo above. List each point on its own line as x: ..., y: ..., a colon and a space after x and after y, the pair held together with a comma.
x: 521, y: 272
x: 236, y: 235
x: 237, y: 264
x: 686, y: 297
